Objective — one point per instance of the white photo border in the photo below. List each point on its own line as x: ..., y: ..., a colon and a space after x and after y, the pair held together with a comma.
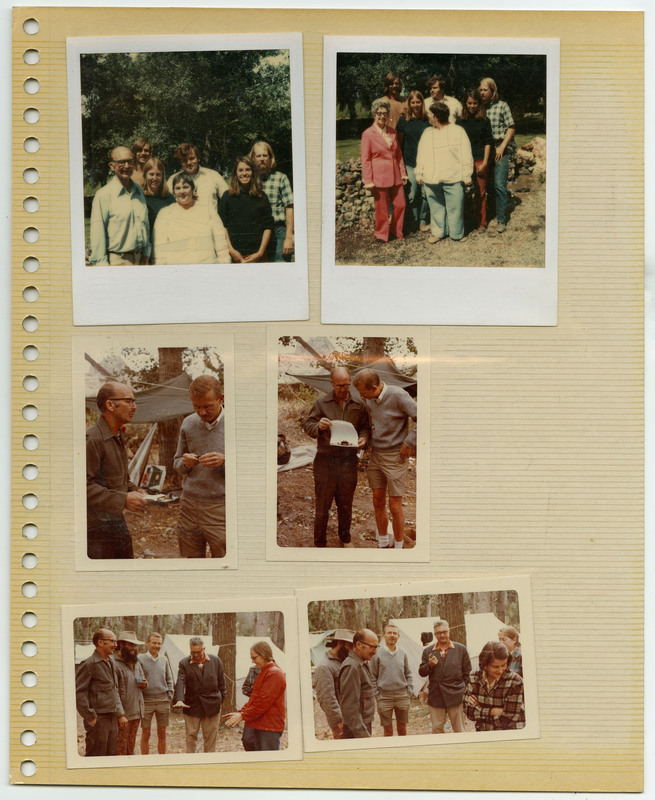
x: 518, y: 583
x: 439, y: 295
x: 192, y: 293
x: 421, y: 551
x: 224, y: 343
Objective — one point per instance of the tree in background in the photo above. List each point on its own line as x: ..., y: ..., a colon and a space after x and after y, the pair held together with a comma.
x: 221, y: 101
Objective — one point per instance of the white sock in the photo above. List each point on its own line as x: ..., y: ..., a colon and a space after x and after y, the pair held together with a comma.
x: 383, y: 541
x: 398, y: 544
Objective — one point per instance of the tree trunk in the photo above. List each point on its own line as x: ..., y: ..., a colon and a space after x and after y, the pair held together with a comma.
x: 500, y: 606
x: 188, y: 625
x: 170, y: 366
x: 483, y: 603
x: 224, y: 628
x: 374, y: 621
x: 262, y: 623
x: 451, y: 608
x: 372, y: 349
x: 349, y: 615
x: 277, y: 629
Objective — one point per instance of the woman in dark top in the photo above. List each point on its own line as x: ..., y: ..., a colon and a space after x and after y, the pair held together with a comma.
x: 157, y: 194
x: 411, y: 125
x: 478, y: 129
x: 246, y: 214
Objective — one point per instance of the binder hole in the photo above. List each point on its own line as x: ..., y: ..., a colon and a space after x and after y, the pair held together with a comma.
x: 30, y: 501
x: 30, y: 383
x: 29, y: 589
x: 30, y: 324
x: 30, y: 352
x: 30, y: 294
x: 29, y: 561
x: 30, y: 413
x: 31, y: 115
x: 31, y: 26
x: 30, y: 441
x: 28, y: 738
x: 30, y: 472
x: 30, y: 264
x: 31, y: 86
x: 29, y: 649
x: 31, y: 204
x: 29, y: 679
x: 28, y: 768
x: 31, y: 235
x: 31, y: 175
x: 28, y: 708
x: 29, y: 619
x: 30, y: 531
x: 31, y: 144
x: 31, y: 56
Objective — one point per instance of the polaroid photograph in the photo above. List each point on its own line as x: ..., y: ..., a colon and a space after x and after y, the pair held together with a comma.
x: 417, y: 663
x: 348, y: 460
x: 451, y: 213
x: 187, y: 167
x: 154, y: 433
x: 157, y: 685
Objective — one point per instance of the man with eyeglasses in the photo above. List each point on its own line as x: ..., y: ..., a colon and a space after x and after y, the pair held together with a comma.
x: 97, y: 698
x: 119, y: 232
x: 355, y: 690
x: 335, y: 466
x: 109, y: 490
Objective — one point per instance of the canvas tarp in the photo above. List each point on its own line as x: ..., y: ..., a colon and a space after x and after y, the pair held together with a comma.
x: 159, y: 403
x: 385, y: 368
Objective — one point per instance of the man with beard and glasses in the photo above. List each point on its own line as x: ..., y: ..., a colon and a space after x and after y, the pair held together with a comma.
x: 97, y: 698
x: 109, y: 490
x: 119, y: 231
x: 325, y: 678
x: 131, y: 683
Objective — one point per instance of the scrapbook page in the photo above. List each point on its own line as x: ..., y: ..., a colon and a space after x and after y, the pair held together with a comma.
x: 327, y: 425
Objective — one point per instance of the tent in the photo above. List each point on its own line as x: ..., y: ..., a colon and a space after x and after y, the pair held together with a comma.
x: 385, y: 368
x: 159, y: 403
x: 480, y: 629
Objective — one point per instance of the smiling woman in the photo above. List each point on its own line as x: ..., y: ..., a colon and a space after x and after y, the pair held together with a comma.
x: 185, y: 233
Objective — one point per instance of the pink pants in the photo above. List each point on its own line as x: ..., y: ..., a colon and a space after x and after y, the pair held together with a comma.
x: 383, y: 197
x: 481, y: 199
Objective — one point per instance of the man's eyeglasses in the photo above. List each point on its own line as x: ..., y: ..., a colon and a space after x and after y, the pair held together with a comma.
x: 373, y: 646
x: 129, y: 400
x: 109, y: 640
x: 124, y: 161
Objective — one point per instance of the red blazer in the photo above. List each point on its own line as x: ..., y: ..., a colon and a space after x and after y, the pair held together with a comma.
x: 382, y: 165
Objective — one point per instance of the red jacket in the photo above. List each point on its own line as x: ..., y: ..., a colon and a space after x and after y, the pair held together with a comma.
x: 382, y: 165
x: 265, y: 709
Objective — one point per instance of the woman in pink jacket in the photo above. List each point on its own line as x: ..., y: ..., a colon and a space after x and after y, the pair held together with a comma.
x: 383, y: 172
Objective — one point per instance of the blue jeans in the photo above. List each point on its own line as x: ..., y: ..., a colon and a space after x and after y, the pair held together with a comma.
x: 446, y: 201
x: 276, y: 243
x: 253, y: 739
x: 501, y: 173
x: 416, y: 198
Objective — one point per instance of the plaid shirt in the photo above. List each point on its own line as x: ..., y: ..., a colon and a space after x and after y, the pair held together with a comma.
x: 501, y: 119
x: 506, y: 693
x: 278, y: 190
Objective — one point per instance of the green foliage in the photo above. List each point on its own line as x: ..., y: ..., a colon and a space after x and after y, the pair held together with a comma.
x: 221, y: 101
x: 521, y: 79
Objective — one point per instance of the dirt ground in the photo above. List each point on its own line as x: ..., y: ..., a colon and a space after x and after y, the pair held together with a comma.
x: 419, y: 722
x: 228, y: 740
x: 154, y: 532
x: 295, y: 523
x: 521, y: 245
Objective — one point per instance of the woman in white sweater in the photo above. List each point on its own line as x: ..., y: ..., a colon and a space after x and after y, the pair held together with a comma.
x: 444, y: 165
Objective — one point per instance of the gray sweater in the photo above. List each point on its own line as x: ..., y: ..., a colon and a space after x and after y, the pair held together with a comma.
x: 390, y: 671
x: 390, y: 416
x: 201, y: 483
x: 159, y: 675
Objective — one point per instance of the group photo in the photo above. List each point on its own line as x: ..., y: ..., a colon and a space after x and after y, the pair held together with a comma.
x: 158, y: 443
x: 410, y: 665
x: 180, y: 683
x: 347, y: 426
x: 187, y: 157
x: 440, y: 159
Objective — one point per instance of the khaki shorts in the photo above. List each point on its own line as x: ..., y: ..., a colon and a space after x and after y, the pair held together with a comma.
x: 386, y: 470
x: 160, y: 707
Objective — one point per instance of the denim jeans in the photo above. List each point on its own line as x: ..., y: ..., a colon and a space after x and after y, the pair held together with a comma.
x: 253, y: 739
x: 416, y: 198
x: 276, y: 243
x: 446, y: 202
x: 501, y: 173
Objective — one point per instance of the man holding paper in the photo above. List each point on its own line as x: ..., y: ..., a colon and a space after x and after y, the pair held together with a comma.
x: 335, y: 465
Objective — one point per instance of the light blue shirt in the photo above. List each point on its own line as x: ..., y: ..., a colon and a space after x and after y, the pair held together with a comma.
x: 119, y: 221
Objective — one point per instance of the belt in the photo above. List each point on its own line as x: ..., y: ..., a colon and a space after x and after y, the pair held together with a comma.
x: 126, y: 253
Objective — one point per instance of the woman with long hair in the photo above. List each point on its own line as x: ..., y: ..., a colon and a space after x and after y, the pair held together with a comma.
x: 142, y: 152
x: 411, y: 125
x: 264, y: 713
x: 494, y: 695
x: 246, y: 213
x: 478, y: 129
x: 509, y: 636
x: 157, y: 194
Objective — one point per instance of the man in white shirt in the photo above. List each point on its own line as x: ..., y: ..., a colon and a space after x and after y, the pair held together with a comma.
x: 210, y: 184
x: 436, y: 86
